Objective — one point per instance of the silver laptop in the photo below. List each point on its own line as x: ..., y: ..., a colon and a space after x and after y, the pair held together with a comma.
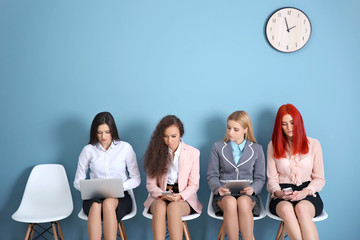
x: 101, y: 188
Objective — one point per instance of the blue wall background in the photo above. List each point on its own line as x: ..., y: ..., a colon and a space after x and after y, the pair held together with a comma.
x: 61, y: 62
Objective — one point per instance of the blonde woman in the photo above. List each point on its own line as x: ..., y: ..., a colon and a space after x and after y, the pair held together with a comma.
x: 237, y: 157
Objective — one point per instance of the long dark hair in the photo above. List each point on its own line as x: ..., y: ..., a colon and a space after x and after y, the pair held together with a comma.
x: 157, y: 156
x: 99, y: 119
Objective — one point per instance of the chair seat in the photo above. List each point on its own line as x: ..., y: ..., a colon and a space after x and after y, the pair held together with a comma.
x: 211, y: 213
x: 319, y: 218
x: 184, y: 218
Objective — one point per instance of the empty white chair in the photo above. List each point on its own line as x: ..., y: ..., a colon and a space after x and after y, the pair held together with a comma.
x: 211, y: 213
x: 47, y: 199
x: 281, y: 231
x: 121, y: 228
x: 184, y: 219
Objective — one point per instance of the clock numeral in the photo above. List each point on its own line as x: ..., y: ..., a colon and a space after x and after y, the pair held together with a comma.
x: 306, y: 30
x: 279, y: 14
x: 273, y: 37
x: 303, y: 38
x: 289, y: 12
x: 270, y: 29
x: 298, y: 15
x: 287, y: 47
x: 296, y: 45
x: 278, y: 44
x: 305, y: 21
x: 274, y: 20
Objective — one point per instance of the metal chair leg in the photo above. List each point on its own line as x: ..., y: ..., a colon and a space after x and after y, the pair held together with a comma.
x: 122, y: 232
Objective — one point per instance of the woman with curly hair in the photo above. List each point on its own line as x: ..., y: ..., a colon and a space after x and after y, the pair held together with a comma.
x: 295, y: 162
x: 171, y: 166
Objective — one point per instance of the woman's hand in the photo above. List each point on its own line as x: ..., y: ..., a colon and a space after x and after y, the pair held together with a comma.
x: 172, y: 198
x: 247, y: 191
x: 224, y: 191
x: 281, y: 194
x: 299, y: 195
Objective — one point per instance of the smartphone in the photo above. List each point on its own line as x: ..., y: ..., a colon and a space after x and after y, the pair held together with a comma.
x: 288, y: 190
x: 165, y: 193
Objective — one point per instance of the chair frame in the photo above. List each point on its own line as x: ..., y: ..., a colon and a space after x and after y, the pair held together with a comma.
x: 222, y: 232
x: 121, y: 227
x: 281, y: 233
x: 187, y: 236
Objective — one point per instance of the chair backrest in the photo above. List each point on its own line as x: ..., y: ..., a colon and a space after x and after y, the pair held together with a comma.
x: 47, y: 189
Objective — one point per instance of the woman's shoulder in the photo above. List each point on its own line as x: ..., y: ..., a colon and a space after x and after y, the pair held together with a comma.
x: 122, y: 144
x: 255, y: 145
x: 314, y: 143
x: 189, y: 147
x: 220, y: 144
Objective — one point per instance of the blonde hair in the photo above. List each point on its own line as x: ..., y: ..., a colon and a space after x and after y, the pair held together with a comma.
x: 244, y: 120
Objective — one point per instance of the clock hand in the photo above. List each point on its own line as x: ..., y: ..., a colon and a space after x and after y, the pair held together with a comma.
x: 287, y: 27
x: 291, y: 28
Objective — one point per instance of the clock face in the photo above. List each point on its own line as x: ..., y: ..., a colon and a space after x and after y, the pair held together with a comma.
x: 288, y: 29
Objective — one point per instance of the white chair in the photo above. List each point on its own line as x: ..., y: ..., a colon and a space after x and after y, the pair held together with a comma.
x: 184, y: 219
x: 47, y: 199
x: 121, y: 228
x: 211, y: 213
x: 281, y: 231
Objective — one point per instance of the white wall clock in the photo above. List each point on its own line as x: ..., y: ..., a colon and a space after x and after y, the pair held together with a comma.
x: 288, y: 29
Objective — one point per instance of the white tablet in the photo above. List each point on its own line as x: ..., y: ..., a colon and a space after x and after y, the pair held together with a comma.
x: 101, y: 188
x: 235, y: 186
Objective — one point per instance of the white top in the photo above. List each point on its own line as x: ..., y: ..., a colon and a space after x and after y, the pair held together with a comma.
x: 173, y: 170
x: 115, y: 162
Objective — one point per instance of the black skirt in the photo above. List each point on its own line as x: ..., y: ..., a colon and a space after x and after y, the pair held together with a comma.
x: 316, y: 201
x: 254, y: 198
x: 124, y: 206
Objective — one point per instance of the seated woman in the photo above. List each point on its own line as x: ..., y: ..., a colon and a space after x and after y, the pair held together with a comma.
x: 171, y: 165
x: 237, y: 157
x: 295, y: 161
x: 107, y: 157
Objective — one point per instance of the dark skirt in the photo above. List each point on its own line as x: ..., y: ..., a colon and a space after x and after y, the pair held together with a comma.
x: 124, y: 206
x: 316, y: 201
x: 254, y: 198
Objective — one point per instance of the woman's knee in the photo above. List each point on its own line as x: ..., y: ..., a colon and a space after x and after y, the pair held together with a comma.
x: 110, y: 204
x: 285, y: 210
x: 304, y: 210
x: 245, y: 204
x: 229, y: 203
x: 158, y: 207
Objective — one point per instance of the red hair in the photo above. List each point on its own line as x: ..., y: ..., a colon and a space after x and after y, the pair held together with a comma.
x: 300, y: 142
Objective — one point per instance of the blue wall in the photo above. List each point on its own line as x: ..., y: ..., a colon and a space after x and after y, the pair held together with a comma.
x: 61, y: 62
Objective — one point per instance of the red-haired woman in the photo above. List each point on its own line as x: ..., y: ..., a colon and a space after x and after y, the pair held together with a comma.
x: 295, y: 161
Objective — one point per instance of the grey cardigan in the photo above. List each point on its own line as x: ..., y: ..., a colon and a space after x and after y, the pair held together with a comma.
x: 251, y: 166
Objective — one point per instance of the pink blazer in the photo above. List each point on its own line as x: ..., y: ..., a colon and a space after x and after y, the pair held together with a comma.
x: 188, y: 179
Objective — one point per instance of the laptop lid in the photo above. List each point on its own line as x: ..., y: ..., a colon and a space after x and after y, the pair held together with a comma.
x: 101, y: 188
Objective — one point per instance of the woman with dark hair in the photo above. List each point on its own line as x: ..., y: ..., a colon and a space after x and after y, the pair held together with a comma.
x: 237, y: 157
x: 171, y: 166
x: 295, y: 174
x: 107, y: 157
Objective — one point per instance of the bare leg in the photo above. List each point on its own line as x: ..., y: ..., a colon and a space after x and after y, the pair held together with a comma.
x: 305, y: 211
x: 175, y: 210
x: 109, y: 218
x: 246, y: 220
x: 94, y: 222
x: 158, y: 210
x: 229, y: 207
x: 285, y: 210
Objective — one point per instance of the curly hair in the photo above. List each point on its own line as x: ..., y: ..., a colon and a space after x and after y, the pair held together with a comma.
x: 157, y: 156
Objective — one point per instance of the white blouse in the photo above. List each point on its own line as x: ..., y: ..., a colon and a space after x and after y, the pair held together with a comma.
x: 115, y: 162
x: 173, y: 170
